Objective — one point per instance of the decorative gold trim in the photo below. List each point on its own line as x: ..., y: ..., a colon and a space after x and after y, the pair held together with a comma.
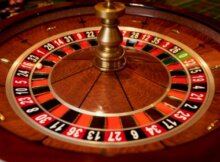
x: 217, y: 67
x: 176, y: 31
x: 4, y: 60
x: 51, y: 28
x: 2, y: 117
x: 213, y: 125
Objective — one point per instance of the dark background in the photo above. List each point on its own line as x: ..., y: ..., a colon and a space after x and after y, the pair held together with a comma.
x: 209, y: 8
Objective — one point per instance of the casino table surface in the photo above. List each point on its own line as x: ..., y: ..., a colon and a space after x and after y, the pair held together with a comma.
x: 202, y: 146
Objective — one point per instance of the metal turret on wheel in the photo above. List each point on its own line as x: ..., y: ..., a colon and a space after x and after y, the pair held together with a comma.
x: 109, y: 54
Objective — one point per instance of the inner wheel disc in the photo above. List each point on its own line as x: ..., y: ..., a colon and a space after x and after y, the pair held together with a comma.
x: 78, y: 83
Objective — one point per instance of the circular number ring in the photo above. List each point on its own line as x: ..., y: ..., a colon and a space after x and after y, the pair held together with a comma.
x: 32, y: 96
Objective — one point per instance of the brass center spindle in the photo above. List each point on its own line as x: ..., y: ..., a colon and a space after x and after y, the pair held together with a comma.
x: 109, y: 53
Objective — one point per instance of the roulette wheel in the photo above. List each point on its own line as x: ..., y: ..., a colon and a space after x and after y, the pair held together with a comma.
x: 147, y: 85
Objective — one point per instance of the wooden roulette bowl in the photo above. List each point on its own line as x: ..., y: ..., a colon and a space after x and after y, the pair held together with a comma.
x: 164, y: 100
